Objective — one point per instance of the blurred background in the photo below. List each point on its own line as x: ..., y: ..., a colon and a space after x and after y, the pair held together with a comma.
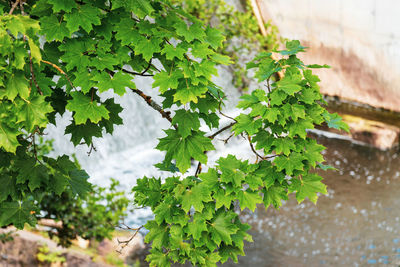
x: 358, y: 222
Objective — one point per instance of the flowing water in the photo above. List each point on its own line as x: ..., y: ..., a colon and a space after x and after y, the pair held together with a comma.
x: 356, y: 224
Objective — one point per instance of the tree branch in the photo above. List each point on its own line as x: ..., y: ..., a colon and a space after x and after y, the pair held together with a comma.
x: 222, y: 130
x: 154, y: 105
x: 13, y: 7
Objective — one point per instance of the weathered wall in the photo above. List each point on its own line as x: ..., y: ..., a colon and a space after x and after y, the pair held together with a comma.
x: 360, y: 39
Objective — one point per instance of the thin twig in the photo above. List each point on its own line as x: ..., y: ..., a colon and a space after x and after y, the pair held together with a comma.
x: 33, y: 75
x: 125, y: 243
x: 13, y: 7
x: 198, y: 169
x: 21, y: 7
x: 59, y: 70
x: 137, y: 73
x: 222, y: 130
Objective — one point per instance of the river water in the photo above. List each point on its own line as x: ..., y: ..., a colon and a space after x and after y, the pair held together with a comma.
x: 356, y: 224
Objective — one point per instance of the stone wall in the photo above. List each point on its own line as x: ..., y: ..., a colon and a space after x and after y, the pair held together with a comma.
x: 360, y: 39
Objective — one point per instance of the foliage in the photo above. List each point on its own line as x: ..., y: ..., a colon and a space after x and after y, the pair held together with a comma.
x: 46, y: 256
x: 241, y: 30
x: 94, y: 216
x: 6, y: 237
x: 89, y: 47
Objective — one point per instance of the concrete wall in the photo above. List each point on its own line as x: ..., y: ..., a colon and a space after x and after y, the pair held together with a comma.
x: 360, y: 39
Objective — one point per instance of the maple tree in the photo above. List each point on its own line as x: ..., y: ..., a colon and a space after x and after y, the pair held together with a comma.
x: 60, y: 55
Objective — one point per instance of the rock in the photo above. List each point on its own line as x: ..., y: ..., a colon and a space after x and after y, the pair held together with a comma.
x: 22, y: 251
x: 374, y: 133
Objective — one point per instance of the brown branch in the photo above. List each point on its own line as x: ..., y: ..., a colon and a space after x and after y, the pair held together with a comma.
x: 154, y: 105
x: 137, y: 73
x: 198, y: 169
x: 21, y: 7
x: 222, y: 130
x: 59, y: 70
x: 125, y: 243
x: 13, y: 7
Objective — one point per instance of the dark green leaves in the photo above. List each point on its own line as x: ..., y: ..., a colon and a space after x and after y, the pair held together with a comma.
x: 86, y: 109
x: 183, y: 149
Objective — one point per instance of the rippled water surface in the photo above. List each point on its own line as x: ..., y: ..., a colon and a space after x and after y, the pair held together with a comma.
x: 356, y: 224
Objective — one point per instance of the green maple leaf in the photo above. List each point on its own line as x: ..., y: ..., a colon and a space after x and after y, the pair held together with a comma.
x: 171, y: 52
x: 141, y: 8
x: 7, y: 187
x: 223, y: 199
x: 206, y: 69
x: 65, y: 5
x: 195, y: 31
x: 148, y: 47
x: 295, y: 111
x: 33, y: 112
x: 17, y: 213
x: 83, y: 131
x: 163, y: 212
x: 274, y: 196
x: 326, y: 167
x: 29, y: 171
x: 293, y: 47
x: 166, y: 81
x: 248, y: 100
x: 249, y: 199
x: 8, y: 137
x: 158, y: 258
x: 114, y: 110
x: 201, y: 50
x: 104, y: 61
x: 74, y: 54
x: 309, y: 95
x: 212, y: 259
x: 313, y: 152
x: 187, y: 121
x: 197, y: 226
x: 210, y: 178
x: 78, y: 182
x: 119, y: 82
x: 195, y: 197
x: 230, y: 168
x: 271, y: 114
x: 222, y: 228
x: 214, y: 37
x: 54, y: 29
x: 289, y: 84
x: 254, y: 181
x: 263, y: 140
x: 183, y: 149
x: 299, y: 128
x: 335, y: 121
x: 246, y: 123
x: 84, y: 80
x: 277, y: 97
x: 158, y: 234
x: 284, y: 145
x: 16, y: 84
x: 85, y: 16
x: 85, y: 109
x: 290, y: 163
x: 266, y: 68
x: 308, y: 186
x: 189, y: 94
x: 126, y: 32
